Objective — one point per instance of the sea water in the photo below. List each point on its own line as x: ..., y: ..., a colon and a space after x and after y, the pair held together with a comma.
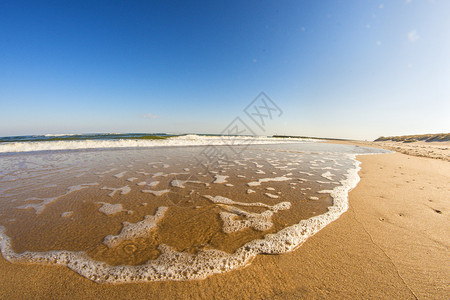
x: 178, y: 209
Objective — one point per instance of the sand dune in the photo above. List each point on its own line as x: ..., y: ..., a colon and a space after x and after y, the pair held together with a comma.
x: 438, y: 137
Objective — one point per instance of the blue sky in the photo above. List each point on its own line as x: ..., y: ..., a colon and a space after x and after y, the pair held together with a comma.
x: 347, y: 69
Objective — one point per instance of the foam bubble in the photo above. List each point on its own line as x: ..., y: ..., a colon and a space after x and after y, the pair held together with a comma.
x: 67, y: 214
x: 324, y: 192
x: 306, y: 173
x: 260, y: 222
x: 271, y: 196
x: 328, y: 175
x: 143, y: 173
x: 136, y: 230
x: 105, y: 172
x: 153, y: 183
x: 220, y: 178
x: 123, y: 190
x: 280, y: 178
x: 120, y: 175
x: 110, y: 209
x: 156, y: 193
x: 225, y: 200
x: 180, y: 183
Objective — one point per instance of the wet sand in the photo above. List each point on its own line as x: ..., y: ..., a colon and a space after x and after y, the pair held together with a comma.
x: 392, y: 242
x: 108, y: 213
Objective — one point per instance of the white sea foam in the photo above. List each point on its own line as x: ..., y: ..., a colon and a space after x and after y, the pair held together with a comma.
x: 271, y: 195
x: 187, y: 140
x: 258, y: 221
x: 156, y: 193
x: 324, y: 192
x: 220, y: 178
x: 328, y: 175
x: 39, y: 207
x: 120, y: 175
x: 173, y: 265
x: 153, y: 183
x: 143, y: 173
x: 228, y: 201
x: 306, y: 173
x: 67, y: 214
x: 123, y: 190
x: 180, y: 183
x: 136, y: 230
x: 59, y: 134
x: 110, y: 209
x: 105, y: 172
x: 280, y: 178
x: 159, y: 174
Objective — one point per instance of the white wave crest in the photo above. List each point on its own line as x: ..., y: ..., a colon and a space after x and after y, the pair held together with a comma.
x: 187, y: 140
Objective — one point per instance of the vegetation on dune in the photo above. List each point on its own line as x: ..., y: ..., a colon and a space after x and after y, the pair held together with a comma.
x: 438, y: 137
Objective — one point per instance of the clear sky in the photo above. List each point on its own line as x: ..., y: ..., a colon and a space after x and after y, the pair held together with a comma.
x: 346, y: 69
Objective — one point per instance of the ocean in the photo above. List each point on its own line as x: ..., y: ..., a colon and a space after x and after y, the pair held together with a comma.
x: 149, y: 207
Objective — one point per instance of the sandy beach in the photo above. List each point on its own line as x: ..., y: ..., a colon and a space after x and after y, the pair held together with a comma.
x: 392, y: 243
x: 225, y: 150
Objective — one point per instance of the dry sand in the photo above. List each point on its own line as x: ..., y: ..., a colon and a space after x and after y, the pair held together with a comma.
x: 437, y: 150
x: 392, y: 243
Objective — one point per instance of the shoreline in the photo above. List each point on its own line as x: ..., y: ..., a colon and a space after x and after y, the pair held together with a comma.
x: 380, y: 247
